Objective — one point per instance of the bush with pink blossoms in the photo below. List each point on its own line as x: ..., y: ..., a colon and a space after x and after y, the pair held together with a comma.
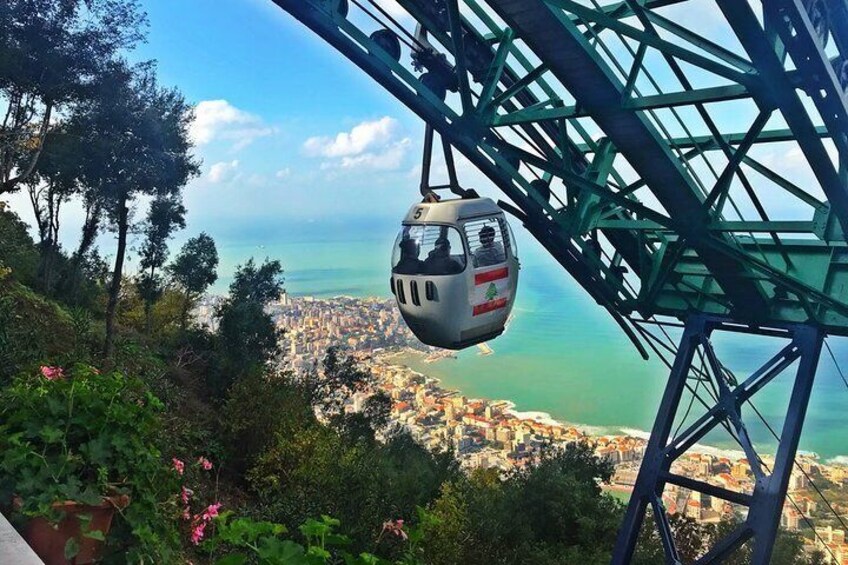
x: 236, y: 540
x: 75, y: 434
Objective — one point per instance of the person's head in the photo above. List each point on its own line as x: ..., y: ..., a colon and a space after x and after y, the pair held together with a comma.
x: 442, y: 247
x: 409, y: 247
x: 487, y: 236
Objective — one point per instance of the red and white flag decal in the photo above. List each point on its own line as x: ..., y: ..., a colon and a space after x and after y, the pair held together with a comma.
x: 491, y: 290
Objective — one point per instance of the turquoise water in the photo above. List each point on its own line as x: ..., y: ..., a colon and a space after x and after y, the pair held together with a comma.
x: 562, y: 354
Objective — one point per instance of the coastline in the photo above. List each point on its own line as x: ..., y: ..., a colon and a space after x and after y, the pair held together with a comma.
x: 591, y: 431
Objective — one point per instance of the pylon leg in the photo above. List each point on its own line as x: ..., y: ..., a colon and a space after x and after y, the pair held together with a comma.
x: 766, y: 502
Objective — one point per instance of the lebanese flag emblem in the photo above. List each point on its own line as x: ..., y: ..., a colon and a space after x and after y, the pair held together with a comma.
x: 491, y: 291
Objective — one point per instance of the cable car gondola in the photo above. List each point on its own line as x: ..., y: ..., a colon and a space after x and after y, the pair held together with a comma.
x: 455, y: 271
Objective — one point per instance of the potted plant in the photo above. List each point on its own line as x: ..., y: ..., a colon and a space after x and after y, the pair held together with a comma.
x: 76, y: 447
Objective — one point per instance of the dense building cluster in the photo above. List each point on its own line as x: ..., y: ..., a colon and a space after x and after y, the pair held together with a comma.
x: 312, y: 325
x: 489, y: 434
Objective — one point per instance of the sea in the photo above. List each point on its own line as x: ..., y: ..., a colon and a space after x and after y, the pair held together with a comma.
x: 562, y: 356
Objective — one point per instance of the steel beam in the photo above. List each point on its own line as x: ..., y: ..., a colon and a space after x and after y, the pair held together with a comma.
x: 575, y: 63
x: 651, y: 102
x: 766, y: 502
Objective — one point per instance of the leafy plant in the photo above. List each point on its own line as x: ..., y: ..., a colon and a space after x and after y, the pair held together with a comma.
x: 80, y: 436
x: 244, y: 540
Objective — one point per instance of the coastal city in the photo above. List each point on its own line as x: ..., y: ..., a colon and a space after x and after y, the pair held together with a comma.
x: 488, y: 433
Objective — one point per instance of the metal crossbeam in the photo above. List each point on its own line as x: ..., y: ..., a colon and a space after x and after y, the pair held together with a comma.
x: 766, y: 501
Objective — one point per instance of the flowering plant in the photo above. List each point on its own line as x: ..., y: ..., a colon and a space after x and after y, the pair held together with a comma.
x: 78, y: 435
x: 196, y: 520
x: 239, y: 539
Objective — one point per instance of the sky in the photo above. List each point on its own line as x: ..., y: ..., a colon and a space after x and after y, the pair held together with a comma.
x: 288, y: 130
x: 286, y: 127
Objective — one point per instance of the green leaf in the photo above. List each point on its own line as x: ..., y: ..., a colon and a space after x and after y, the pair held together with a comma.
x: 95, y: 534
x: 90, y: 496
x: 50, y: 434
x: 314, y: 528
x: 330, y: 521
x: 72, y: 548
x: 336, y: 540
x: 274, y: 550
x: 232, y: 559
x: 315, y: 551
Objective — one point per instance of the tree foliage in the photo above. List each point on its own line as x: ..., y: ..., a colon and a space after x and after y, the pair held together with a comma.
x: 166, y: 215
x: 301, y: 467
x: 194, y: 270
x: 52, y: 52
x: 143, y: 129
x: 552, y: 512
x: 247, y: 336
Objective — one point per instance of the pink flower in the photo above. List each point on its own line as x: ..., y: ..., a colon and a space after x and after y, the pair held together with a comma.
x: 211, y: 511
x: 395, y: 527
x: 185, y: 495
x: 52, y: 373
x: 205, y: 463
x: 179, y: 466
x: 197, y: 533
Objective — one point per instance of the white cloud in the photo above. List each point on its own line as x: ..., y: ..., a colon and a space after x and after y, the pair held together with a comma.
x: 283, y: 173
x: 357, y: 141
x: 220, y: 120
x: 220, y: 172
x: 389, y: 159
x: 371, y: 145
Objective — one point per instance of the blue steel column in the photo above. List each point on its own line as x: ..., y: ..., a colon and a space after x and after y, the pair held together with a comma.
x: 649, y: 482
x: 769, y: 494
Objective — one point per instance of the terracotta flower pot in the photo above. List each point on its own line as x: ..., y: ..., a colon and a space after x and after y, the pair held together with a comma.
x: 48, y: 540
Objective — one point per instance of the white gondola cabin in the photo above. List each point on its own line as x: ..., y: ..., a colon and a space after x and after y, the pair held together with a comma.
x: 455, y: 272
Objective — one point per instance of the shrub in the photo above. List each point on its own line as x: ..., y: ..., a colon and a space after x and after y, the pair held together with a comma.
x: 80, y: 436
x: 18, y: 253
x: 32, y: 329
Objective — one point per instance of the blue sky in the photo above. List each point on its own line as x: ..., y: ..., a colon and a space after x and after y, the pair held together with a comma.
x: 289, y: 131
x: 286, y: 127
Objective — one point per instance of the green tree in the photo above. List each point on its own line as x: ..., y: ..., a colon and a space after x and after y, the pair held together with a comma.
x: 694, y: 539
x: 247, y: 336
x: 194, y: 270
x: 55, y: 180
x: 550, y: 512
x: 166, y: 214
x: 261, y: 284
x: 18, y: 255
x: 145, y: 129
x: 331, y: 389
x: 52, y: 51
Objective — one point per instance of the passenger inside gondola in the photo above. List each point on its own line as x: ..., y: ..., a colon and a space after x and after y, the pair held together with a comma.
x: 409, y: 263
x: 490, y: 252
x: 439, y: 260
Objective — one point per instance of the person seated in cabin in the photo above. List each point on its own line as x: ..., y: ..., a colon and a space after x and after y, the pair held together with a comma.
x: 439, y: 260
x: 409, y: 263
x: 490, y: 251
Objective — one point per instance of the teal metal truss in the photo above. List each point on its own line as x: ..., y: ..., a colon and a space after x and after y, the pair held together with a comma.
x: 639, y: 152
x: 679, y: 158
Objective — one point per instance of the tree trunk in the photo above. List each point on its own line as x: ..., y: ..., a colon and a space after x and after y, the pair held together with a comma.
x: 117, y: 273
x: 89, y: 228
x: 184, y: 317
x: 148, y: 307
x: 52, y: 244
x: 9, y: 184
x: 89, y: 232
